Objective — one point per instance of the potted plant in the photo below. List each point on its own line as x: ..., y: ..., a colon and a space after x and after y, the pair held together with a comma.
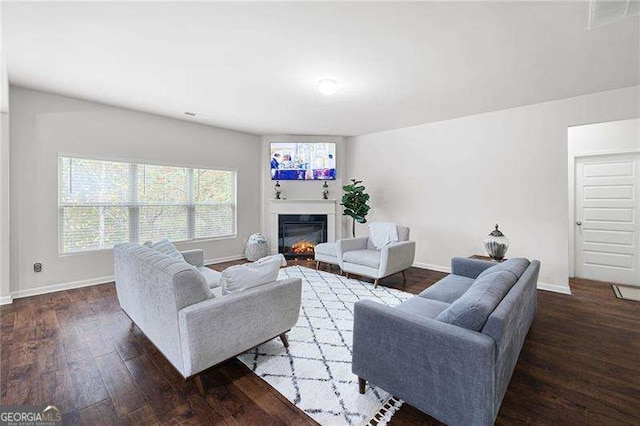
x: 354, y: 202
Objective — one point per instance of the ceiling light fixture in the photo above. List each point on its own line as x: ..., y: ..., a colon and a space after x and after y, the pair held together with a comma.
x: 191, y: 114
x: 327, y: 86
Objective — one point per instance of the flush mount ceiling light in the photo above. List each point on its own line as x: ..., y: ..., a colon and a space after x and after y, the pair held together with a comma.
x: 327, y: 86
x: 189, y: 113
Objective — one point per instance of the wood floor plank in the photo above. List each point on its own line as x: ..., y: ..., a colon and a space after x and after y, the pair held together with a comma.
x: 125, y: 395
x: 74, y: 349
x: 160, y: 396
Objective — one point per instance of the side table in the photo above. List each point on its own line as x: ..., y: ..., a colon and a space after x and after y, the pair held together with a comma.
x: 481, y: 257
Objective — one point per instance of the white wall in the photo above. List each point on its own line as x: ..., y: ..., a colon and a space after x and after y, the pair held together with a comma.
x: 616, y: 137
x: 307, y: 190
x: 4, y: 175
x: 43, y: 125
x: 451, y: 181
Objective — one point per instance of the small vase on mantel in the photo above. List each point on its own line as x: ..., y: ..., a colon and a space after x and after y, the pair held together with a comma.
x: 496, y: 244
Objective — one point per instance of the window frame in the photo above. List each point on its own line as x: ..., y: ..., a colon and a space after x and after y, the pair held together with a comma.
x: 134, y: 206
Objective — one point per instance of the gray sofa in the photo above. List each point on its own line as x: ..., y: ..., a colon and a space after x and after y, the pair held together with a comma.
x: 173, y: 305
x: 451, y: 350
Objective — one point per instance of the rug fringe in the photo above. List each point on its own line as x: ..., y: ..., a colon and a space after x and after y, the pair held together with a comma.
x: 384, y: 414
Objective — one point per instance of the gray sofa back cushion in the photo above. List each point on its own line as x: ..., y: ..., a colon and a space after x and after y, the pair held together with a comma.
x: 190, y: 287
x: 167, y: 247
x: 473, y: 308
x: 517, y: 266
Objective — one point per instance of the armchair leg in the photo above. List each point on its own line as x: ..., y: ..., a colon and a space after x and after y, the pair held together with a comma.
x: 404, y: 277
x: 132, y: 327
x: 346, y: 275
x: 284, y: 339
x: 317, y: 265
x: 197, y: 380
x: 375, y: 283
x: 362, y: 384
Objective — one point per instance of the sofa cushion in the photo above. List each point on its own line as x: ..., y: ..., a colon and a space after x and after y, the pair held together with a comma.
x: 423, y: 307
x: 236, y: 279
x: 190, y: 287
x: 328, y: 249
x: 370, y: 258
x: 517, y: 266
x: 448, y: 289
x: 473, y: 308
x: 212, y: 277
x: 165, y: 246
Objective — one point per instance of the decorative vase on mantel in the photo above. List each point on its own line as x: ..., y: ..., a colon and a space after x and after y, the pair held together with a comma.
x: 496, y: 244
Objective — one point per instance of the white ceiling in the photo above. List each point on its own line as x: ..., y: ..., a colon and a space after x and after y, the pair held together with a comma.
x: 255, y: 66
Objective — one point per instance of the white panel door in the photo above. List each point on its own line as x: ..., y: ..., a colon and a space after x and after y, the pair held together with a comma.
x: 608, y: 218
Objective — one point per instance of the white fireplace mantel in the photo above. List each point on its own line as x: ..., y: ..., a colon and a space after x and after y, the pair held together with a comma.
x: 301, y: 206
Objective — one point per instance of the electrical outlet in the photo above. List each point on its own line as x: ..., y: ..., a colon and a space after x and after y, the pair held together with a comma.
x: 37, y: 267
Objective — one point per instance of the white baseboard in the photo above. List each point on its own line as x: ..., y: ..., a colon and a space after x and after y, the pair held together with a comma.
x: 541, y: 286
x: 60, y: 287
x: 86, y: 283
x: 554, y: 288
x: 225, y: 259
x: 437, y: 268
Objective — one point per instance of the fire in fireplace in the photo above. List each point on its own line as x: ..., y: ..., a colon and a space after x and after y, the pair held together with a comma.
x: 298, y: 234
x: 303, y: 247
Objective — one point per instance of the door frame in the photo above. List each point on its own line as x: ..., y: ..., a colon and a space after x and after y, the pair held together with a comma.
x: 572, y: 169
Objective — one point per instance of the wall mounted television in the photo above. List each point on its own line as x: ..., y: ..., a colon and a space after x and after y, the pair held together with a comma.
x: 303, y: 160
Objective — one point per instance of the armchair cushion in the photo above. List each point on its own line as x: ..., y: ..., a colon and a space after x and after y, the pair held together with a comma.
x: 473, y: 308
x: 370, y: 258
x: 423, y: 307
x: 448, y: 289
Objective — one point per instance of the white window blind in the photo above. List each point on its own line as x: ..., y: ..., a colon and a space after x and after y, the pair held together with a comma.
x: 102, y: 203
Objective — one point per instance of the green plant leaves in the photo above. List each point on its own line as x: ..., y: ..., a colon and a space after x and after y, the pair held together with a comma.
x: 355, y: 201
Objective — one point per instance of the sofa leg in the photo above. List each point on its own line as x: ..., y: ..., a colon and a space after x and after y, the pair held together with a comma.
x: 375, y: 283
x: 346, y: 274
x: 362, y: 384
x: 284, y: 339
x: 197, y: 380
x: 404, y: 277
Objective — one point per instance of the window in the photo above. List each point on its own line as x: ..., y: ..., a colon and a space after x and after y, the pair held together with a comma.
x: 102, y: 203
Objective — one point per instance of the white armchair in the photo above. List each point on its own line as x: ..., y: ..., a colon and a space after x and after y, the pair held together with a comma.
x: 359, y: 256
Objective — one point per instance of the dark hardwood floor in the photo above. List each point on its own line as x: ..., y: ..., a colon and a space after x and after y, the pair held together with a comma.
x: 580, y: 365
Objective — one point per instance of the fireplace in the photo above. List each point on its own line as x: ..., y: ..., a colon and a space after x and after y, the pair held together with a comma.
x: 298, y: 234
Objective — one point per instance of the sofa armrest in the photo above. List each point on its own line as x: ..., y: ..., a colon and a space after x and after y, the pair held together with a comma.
x: 194, y: 257
x: 469, y: 268
x: 217, y: 329
x: 445, y: 370
x: 397, y: 257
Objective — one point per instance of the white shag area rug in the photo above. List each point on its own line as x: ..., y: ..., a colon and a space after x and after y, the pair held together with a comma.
x: 314, y: 373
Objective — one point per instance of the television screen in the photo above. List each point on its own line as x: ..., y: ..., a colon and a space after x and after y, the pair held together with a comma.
x: 303, y: 161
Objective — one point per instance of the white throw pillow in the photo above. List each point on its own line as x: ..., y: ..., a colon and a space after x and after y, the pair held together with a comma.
x: 243, y: 277
x: 279, y: 257
x: 165, y: 246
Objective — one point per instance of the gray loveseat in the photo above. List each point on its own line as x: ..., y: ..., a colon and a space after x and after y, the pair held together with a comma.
x: 451, y: 350
x: 171, y: 302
